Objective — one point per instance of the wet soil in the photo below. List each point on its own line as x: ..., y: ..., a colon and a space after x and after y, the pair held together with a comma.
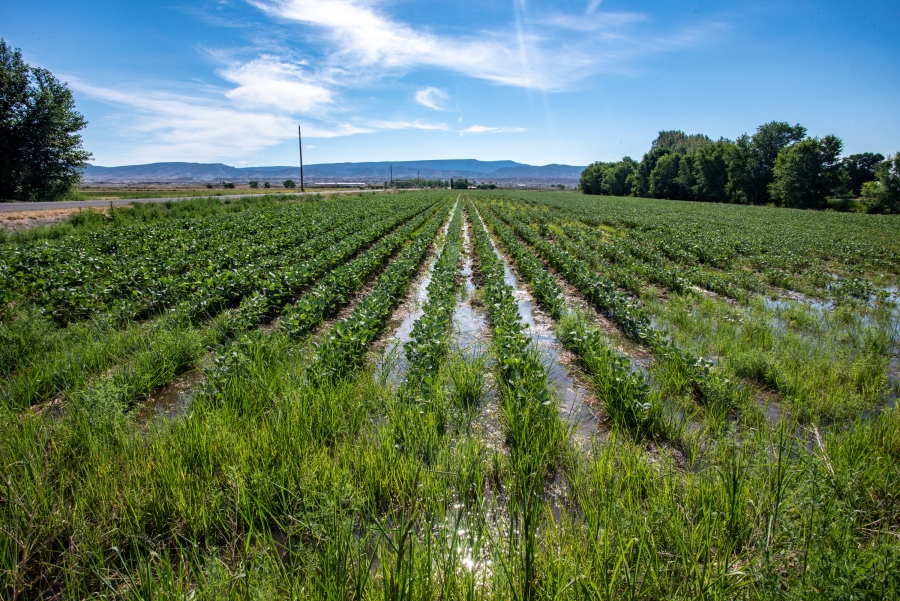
x: 172, y: 400
x: 578, y: 405
x: 389, y: 344
x: 470, y: 325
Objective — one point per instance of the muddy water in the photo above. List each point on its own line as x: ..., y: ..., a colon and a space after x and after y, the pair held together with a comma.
x: 572, y: 395
x: 470, y: 325
x: 392, y: 364
x: 172, y: 400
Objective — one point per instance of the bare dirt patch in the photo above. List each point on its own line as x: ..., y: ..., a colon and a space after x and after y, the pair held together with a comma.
x: 21, y: 220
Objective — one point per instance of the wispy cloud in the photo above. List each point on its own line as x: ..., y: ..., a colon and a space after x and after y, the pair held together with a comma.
x: 269, y: 83
x: 431, y: 97
x: 365, y: 37
x: 613, y: 22
x: 358, y: 45
x: 197, y: 127
x: 592, y: 7
x: 400, y: 124
x: 482, y: 129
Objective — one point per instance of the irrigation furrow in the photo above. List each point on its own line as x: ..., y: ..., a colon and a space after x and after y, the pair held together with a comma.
x: 470, y: 326
x: 346, y: 345
x: 73, y: 367
x: 393, y: 363
x: 181, y: 350
x: 577, y: 401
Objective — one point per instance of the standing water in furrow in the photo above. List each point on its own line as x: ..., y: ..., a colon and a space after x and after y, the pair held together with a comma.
x: 469, y: 324
x: 346, y: 345
x: 570, y: 392
x: 392, y: 364
x: 428, y: 341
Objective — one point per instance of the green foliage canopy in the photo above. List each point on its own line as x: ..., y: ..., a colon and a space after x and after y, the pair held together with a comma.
x: 41, y: 156
x: 859, y: 169
x: 777, y: 164
x: 883, y: 193
x: 806, y: 172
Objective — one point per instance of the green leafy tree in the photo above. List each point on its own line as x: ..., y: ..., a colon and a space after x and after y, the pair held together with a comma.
x: 289, y: 183
x: 805, y: 173
x: 641, y: 182
x: 882, y: 194
x: 41, y: 153
x: 859, y: 169
x: 591, y: 181
x: 664, y: 177
x: 752, y: 160
x: 254, y: 184
x: 680, y: 142
x: 619, y: 177
x: 711, y: 172
x: 686, y: 179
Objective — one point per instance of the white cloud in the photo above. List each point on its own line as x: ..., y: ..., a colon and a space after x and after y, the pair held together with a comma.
x: 592, y: 6
x: 268, y: 83
x: 613, y: 22
x: 432, y: 98
x: 194, y: 127
x: 367, y: 38
x: 482, y: 129
x: 367, y: 43
x: 417, y: 124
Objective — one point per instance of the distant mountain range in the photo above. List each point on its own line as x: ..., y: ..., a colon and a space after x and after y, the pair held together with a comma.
x: 363, y: 172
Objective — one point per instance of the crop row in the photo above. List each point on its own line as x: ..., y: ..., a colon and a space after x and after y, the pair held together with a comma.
x: 533, y: 428
x: 430, y: 333
x: 131, y: 270
x: 626, y: 313
x: 330, y: 294
x: 294, y: 278
x: 629, y: 259
x: 70, y: 367
x: 627, y: 395
x: 347, y: 343
x: 796, y: 251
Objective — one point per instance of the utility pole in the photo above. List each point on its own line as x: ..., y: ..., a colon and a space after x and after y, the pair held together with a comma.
x: 418, y: 181
x: 300, y: 136
x: 392, y: 176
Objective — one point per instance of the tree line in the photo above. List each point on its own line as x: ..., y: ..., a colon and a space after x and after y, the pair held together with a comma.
x: 778, y: 164
x: 41, y: 156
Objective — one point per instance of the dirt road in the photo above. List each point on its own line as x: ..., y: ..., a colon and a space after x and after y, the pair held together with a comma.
x: 8, y: 207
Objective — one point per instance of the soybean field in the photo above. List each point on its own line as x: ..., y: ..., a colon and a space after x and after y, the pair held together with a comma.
x: 453, y: 394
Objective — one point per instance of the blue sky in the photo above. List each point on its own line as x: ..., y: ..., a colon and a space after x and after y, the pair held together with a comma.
x: 535, y: 82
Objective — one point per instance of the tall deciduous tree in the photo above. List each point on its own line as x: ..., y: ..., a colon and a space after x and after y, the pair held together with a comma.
x: 41, y: 153
x: 619, y: 177
x: 883, y: 193
x: 711, y: 172
x: 806, y: 172
x: 641, y: 187
x: 680, y: 142
x: 592, y: 178
x: 664, y: 177
x: 753, y: 158
x: 859, y: 169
